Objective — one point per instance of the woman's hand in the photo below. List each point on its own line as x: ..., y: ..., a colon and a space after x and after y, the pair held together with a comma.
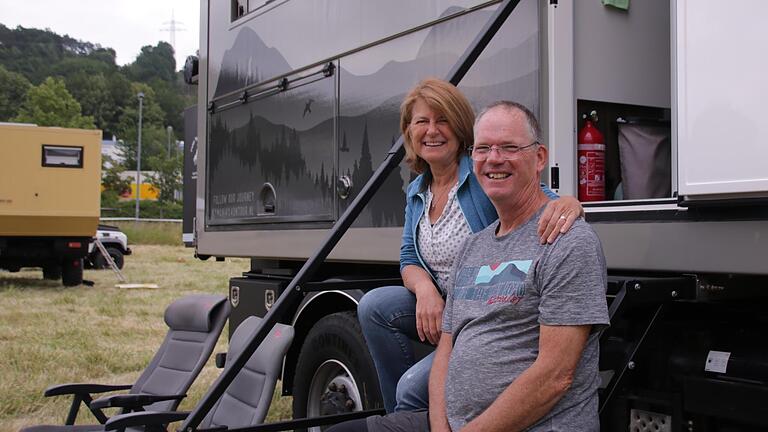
x: 429, y: 312
x: 558, y: 217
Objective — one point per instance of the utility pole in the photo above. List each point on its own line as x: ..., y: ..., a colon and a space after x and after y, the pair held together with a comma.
x: 170, y: 134
x: 138, y: 156
x: 172, y: 29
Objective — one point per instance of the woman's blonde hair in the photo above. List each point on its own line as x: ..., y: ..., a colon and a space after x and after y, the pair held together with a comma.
x: 447, y: 100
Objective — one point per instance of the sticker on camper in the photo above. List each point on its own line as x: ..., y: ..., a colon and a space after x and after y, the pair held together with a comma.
x: 717, y: 361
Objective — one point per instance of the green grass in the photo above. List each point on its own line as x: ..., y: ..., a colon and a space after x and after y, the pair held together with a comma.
x: 150, y: 233
x: 100, y: 334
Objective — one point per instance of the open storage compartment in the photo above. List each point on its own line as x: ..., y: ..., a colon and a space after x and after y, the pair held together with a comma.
x: 622, y: 72
x: 617, y: 63
x: 638, y: 149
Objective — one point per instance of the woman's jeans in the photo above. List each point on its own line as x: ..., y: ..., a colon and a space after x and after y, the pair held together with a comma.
x: 388, y: 318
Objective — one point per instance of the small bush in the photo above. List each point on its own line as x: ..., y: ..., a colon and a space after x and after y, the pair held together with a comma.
x: 109, y: 199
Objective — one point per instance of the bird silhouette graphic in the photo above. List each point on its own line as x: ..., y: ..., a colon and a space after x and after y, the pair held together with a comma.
x: 308, y: 108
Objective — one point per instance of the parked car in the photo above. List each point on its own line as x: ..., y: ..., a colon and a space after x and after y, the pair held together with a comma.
x: 116, y: 243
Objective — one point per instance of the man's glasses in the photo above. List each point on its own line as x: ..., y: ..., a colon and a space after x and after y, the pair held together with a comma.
x: 480, y: 153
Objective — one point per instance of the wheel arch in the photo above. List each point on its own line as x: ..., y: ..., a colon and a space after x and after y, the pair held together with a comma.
x: 312, y: 308
x: 113, y: 244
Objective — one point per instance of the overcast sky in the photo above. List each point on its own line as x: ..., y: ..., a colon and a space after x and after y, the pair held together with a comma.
x: 123, y: 25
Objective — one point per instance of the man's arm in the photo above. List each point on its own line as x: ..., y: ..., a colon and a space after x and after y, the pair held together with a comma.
x: 438, y: 419
x: 533, y: 394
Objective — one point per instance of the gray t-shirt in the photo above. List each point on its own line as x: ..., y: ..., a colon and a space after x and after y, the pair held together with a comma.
x: 505, y: 288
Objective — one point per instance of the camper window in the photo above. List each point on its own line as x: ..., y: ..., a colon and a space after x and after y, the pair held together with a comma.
x: 60, y: 156
x: 242, y: 7
x: 239, y: 7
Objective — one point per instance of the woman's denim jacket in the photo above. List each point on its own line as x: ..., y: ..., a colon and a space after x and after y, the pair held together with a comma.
x: 475, y: 205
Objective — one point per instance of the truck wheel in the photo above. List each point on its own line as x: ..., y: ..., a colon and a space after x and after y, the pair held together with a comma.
x: 334, y: 373
x: 52, y: 272
x: 72, y: 272
x: 99, y: 262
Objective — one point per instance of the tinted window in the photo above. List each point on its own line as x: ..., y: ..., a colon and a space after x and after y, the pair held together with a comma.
x: 60, y: 156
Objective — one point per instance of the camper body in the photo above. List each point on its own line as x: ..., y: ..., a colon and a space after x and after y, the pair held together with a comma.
x: 49, y: 198
x: 298, y: 103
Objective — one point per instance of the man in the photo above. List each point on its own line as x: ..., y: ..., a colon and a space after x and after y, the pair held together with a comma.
x: 519, y: 347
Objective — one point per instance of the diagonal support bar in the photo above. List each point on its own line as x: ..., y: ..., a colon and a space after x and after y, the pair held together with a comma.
x: 109, y: 260
x: 292, y: 293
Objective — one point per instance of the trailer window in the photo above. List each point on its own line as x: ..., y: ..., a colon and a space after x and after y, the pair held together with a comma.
x: 242, y: 7
x: 239, y: 7
x: 62, y: 156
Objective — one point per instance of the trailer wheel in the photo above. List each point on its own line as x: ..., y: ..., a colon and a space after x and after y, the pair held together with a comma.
x: 334, y: 372
x: 52, y: 272
x: 72, y: 272
x: 99, y: 262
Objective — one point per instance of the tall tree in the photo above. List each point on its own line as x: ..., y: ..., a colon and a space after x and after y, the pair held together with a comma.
x: 122, y: 96
x: 153, y: 134
x: 13, y: 88
x: 85, y: 78
x: 153, y: 62
x: 50, y: 104
x: 169, y: 97
x: 92, y: 92
x: 33, y: 52
x: 167, y: 176
x: 111, y: 178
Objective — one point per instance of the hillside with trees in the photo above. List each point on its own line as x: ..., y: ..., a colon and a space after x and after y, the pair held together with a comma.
x: 54, y: 80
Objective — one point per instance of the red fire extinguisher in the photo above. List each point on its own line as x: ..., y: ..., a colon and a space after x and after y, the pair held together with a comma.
x: 591, y: 153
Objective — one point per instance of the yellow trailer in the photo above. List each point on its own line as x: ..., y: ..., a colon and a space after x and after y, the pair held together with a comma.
x: 49, y: 198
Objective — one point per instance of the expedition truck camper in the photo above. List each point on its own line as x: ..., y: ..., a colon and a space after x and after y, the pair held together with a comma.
x: 49, y: 198
x: 297, y: 167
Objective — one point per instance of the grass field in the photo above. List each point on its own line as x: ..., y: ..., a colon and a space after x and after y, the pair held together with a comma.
x: 150, y: 233
x: 100, y: 334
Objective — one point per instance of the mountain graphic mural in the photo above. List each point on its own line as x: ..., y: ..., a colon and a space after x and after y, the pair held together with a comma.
x: 249, y: 61
x: 300, y: 141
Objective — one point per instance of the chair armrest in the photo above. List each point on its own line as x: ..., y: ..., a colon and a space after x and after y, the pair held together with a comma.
x: 144, y: 418
x: 78, y: 388
x: 132, y: 401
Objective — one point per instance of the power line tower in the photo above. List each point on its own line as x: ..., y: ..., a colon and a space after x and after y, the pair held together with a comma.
x: 172, y: 27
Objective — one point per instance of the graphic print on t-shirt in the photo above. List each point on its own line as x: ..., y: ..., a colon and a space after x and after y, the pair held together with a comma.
x: 493, y: 283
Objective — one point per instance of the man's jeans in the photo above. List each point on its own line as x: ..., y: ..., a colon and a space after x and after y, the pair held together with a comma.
x: 388, y: 318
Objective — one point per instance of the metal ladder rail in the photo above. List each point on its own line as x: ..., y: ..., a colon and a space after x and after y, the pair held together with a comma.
x: 110, y: 261
x: 655, y: 292
x: 292, y: 293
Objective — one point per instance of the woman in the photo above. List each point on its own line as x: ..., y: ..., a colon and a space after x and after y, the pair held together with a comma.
x: 445, y: 204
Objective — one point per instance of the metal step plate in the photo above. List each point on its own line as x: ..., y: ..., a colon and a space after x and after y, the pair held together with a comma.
x: 647, y: 421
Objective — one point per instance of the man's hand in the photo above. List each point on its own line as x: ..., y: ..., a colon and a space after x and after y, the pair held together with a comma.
x: 558, y: 217
x: 429, y: 312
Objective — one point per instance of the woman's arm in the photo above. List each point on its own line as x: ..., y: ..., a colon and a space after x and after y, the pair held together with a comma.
x: 408, y: 243
x: 558, y: 217
x: 429, y: 302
